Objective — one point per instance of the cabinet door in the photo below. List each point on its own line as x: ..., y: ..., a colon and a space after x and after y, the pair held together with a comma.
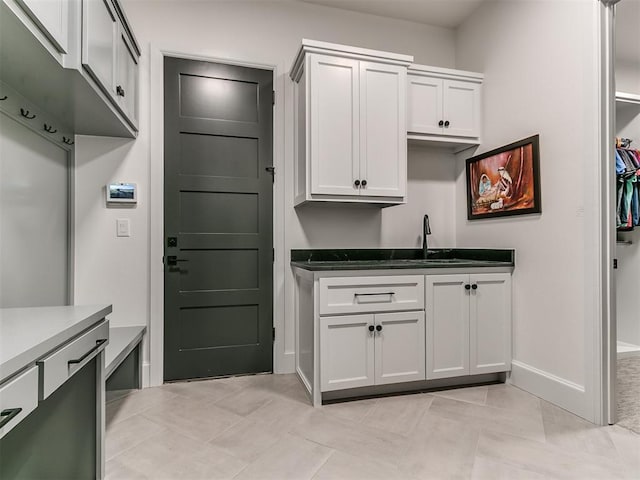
x: 425, y: 97
x: 99, y: 42
x: 447, y: 326
x: 127, y: 78
x: 462, y: 108
x: 52, y: 16
x: 334, y: 118
x: 399, y: 347
x: 490, y: 323
x: 383, y: 130
x: 346, y: 352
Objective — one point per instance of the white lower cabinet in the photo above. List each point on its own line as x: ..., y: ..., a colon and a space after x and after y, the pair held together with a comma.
x: 399, y: 347
x: 372, y: 349
x: 468, y: 324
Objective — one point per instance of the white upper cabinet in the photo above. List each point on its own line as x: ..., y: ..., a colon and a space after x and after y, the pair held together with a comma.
x: 425, y: 104
x: 461, y: 108
x: 100, y: 42
x: 383, y: 143
x: 335, y: 97
x: 350, y: 124
x: 444, y: 105
x: 127, y: 77
x: 52, y: 16
x: 81, y: 59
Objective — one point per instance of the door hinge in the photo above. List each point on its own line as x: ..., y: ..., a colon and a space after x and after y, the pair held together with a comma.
x: 615, y: 263
x: 274, y: 333
x: 273, y: 255
x: 273, y: 97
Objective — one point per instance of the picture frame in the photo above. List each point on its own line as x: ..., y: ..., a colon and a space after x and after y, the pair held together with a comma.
x: 505, y: 181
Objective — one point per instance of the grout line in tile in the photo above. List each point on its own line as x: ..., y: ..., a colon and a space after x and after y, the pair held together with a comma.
x: 139, y: 440
x: 315, y: 474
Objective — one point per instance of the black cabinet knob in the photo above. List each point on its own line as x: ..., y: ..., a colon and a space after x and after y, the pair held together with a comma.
x: 120, y: 91
x: 441, y: 123
x: 364, y: 183
x: 379, y: 328
x: 371, y: 328
x: 467, y: 287
x: 357, y: 183
x: 474, y: 286
x: 446, y: 124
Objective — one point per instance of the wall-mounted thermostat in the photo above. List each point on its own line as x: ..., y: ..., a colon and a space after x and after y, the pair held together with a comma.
x: 122, y: 193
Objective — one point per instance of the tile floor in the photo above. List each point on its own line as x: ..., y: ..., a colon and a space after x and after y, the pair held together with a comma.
x: 263, y: 427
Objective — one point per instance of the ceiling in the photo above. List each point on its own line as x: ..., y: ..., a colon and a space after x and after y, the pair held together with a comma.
x: 443, y: 13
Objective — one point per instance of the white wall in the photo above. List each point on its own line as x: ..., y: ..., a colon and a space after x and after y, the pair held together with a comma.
x: 267, y: 33
x: 111, y: 269
x: 539, y: 62
x: 34, y: 218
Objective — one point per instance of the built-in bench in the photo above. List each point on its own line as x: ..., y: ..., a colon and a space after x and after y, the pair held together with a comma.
x: 123, y: 359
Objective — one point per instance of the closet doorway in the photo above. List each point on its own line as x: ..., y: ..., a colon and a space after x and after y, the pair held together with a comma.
x: 625, y: 377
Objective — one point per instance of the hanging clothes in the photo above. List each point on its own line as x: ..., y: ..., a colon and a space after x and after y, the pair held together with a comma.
x: 627, y: 185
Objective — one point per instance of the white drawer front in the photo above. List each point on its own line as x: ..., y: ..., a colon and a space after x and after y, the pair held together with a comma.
x: 18, y: 398
x: 371, y: 294
x: 64, y: 362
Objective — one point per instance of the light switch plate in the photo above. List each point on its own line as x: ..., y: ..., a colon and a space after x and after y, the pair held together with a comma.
x: 123, y: 227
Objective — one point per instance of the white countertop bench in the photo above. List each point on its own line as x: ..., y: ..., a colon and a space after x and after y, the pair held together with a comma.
x: 28, y: 334
x: 122, y: 341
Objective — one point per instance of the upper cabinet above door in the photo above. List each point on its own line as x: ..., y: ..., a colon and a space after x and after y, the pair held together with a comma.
x: 351, y: 142
x: 79, y: 59
x: 99, y: 42
x: 444, y: 105
x: 52, y: 16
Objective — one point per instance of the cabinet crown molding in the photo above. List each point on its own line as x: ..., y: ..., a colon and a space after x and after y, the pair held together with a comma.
x: 446, y: 73
x: 337, y: 50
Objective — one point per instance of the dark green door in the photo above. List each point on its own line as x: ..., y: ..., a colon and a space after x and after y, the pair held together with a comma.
x: 218, y: 210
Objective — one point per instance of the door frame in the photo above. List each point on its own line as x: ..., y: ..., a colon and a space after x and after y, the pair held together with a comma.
x: 606, y: 348
x: 154, y: 374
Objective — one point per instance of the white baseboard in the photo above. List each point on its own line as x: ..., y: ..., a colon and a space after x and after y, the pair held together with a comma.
x: 287, y: 363
x: 549, y: 387
x: 304, y: 380
x: 146, y: 375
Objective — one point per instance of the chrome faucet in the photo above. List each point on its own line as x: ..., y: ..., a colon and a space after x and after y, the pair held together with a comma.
x: 426, y: 230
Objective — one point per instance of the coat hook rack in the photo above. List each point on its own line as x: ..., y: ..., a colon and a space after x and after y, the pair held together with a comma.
x: 26, y: 114
x: 49, y: 129
x: 3, y: 98
x: 68, y: 141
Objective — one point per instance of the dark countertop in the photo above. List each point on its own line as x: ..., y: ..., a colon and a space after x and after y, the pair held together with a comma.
x: 404, y: 258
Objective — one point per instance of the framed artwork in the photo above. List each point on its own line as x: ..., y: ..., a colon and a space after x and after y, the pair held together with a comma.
x: 505, y: 181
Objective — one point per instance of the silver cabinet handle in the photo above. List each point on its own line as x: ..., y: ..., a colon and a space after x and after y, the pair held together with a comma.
x: 369, y: 294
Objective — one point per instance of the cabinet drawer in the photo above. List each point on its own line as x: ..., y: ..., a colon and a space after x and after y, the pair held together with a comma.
x: 371, y: 294
x: 18, y: 398
x: 64, y: 362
